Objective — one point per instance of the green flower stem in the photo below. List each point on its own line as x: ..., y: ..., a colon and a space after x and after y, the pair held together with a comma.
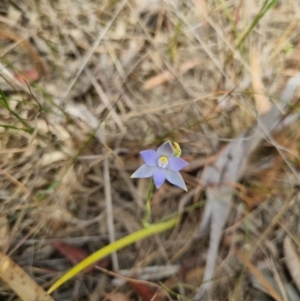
x: 113, y: 247
x: 146, y: 221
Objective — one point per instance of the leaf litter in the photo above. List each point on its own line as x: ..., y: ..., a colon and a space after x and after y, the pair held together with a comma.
x: 228, y: 169
x: 108, y: 79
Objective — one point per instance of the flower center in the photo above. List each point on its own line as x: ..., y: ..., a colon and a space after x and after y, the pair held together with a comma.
x: 163, y: 161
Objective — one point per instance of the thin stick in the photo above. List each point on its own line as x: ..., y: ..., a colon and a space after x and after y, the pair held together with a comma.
x: 109, y: 208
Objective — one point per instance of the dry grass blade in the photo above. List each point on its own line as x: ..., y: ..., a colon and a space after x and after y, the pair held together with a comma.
x: 4, y: 233
x: 263, y: 103
x: 19, y: 281
x: 150, y: 273
x: 292, y: 260
x: 40, y: 64
x: 91, y: 51
x: 105, y: 100
x: 259, y: 276
x: 109, y: 209
x: 228, y: 169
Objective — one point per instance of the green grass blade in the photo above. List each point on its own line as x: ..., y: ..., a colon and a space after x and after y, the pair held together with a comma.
x: 266, y: 6
x: 5, y: 104
x: 11, y: 127
x: 115, y: 246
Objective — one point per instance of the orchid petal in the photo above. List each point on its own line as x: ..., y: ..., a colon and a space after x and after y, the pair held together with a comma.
x: 159, y: 177
x: 144, y: 171
x: 175, y: 178
x: 150, y: 157
x: 166, y: 149
x: 176, y: 164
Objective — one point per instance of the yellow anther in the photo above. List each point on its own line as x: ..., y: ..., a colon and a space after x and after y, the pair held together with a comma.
x: 177, y: 149
x: 163, y: 161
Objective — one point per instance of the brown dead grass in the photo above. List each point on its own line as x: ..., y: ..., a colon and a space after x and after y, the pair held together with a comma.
x: 162, y: 71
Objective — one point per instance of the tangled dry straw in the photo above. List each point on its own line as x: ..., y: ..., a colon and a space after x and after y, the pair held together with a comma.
x: 87, y: 85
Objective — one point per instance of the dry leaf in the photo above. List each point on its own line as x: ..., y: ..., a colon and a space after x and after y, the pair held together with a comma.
x: 193, y: 276
x: 20, y: 282
x: 75, y: 255
x: 117, y: 297
x: 166, y: 76
x: 157, y: 80
x: 50, y: 158
x: 144, y: 291
x: 292, y: 260
x: 28, y: 76
x: 202, y: 5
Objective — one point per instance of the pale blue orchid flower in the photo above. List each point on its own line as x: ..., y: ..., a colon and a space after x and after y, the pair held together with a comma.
x: 161, y: 165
